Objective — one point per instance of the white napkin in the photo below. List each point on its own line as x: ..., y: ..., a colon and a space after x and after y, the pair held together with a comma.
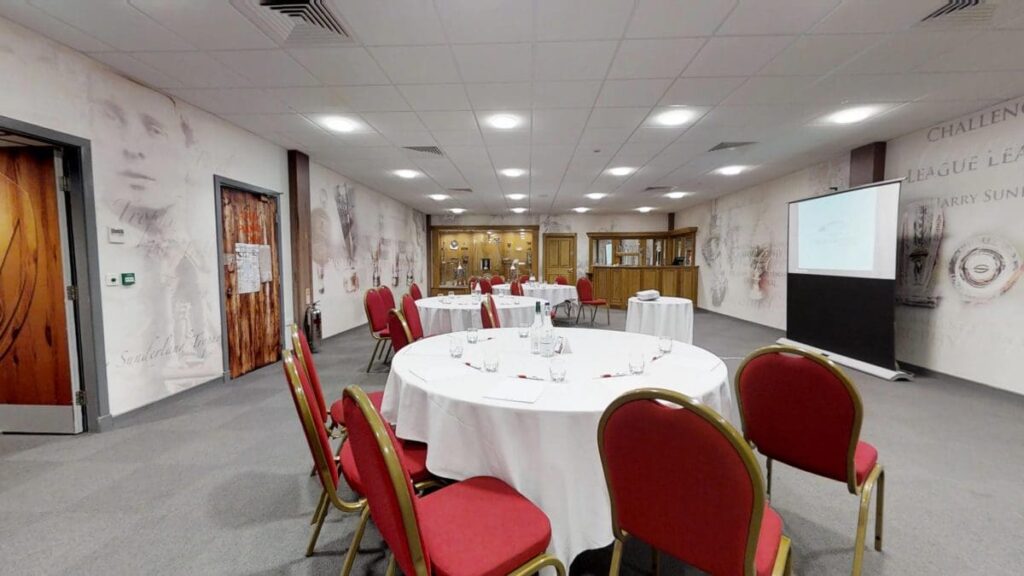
x: 648, y: 295
x: 516, y: 390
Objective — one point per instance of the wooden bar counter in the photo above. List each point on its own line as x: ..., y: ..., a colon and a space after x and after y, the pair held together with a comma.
x: 617, y: 283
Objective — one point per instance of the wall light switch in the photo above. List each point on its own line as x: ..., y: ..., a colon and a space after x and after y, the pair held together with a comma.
x: 113, y: 280
x: 115, y: 235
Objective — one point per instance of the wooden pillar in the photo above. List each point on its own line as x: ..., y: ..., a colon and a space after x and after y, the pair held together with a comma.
x: 301, y: 239
x: 671, y: 221
x: 430, y: 258
x: 867, y: 164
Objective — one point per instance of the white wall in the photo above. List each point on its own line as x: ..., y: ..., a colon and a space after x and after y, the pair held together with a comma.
x: 741, y: 242
x: 349, y: 223
x: 154, y: 159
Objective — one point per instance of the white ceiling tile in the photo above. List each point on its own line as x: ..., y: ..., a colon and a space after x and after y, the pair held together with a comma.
x: 417, y: 64
x: 193, y: 69
x: 632, y: 92
x: 415, y: 138
x: 479, y: 21
x: 317, y: 100
x: 736, y: 56
x: 701, y: 91
x: 348, y: 66
x: 978, y: 86
x: 128, y: 66
x: 232, y: 100
x: 904, y: 52
x: 494, y: 62
x: 400, y: 22
x: 672, y: 18
x: 562, y: 126
x: 565, y: 94
x: 266, y: 68
x: 509, y: 157
x: 991, y: 51
x: 603, y: 137
x: 362, y: 139
x: 623, y: 118
x: 775, y: 16
x: 867, y: 88
x: 498, y: 96
x: 572, y: 60
x: 35, y: 19
x: 270, y: 123
x: 771, y: 90
x: 389, y: 123
x: 206, y: 24
x: 435, y: 96
x: 449, y: 120
x: 654, y: 58
x: 447, y: 138
x: 507, y: 138
x: 581, y: 19
x: 116, y: 23
x: 860, y: 16
x: 372, y: 98
x: 819, y: 54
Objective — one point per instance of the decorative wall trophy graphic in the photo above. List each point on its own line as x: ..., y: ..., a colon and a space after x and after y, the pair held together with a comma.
x: 920, y: 235
x: 410, y: 263
x: 760, y: 264
x: 375, y: 260
x: 984, y: 267
x: 345, y: 201
x: 395, y: 273
x: 712, y: 252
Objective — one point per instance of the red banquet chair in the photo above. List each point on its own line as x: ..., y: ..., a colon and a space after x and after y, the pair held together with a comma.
x: 388, y: 296
x: 489, y: 313
x: 516, y: 289
x: 799, y: 408
x: 412, y: 458
x: 480, y: 526
x: 524, y: 278
x: 401, y: 335
x: 658, y: 449
x: 561, y: 280
x: 414, y: 291
x: 412, y: 317
x: 377, y: 320
x: 585, y: 291
x: 485, y: 286
x: 473, y: 282
x: 497, y: 280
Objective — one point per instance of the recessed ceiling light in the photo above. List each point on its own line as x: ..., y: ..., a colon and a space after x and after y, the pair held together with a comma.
x: 504, y: 121
x: 644, y: 209
x: 339, y: 123
x: 456, y: 210
x: 519, y: 210
x: 677, y: 194
x: 515, y: 196
x: 438, y: 197
x: 730, y: 170
x: 852, y: 115
x: 407, y: 174
x: 621, y: 170
x: 513, y: 172
x: 581, y: 209
x: 596, y: 195
x: 674, y: 117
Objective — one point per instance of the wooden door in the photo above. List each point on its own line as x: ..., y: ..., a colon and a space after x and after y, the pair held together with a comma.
x: 36, y: 379
x: 252, y: 279
x: 560, y: 257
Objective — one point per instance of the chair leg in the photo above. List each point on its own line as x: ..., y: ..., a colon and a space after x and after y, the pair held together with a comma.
x: 862, y: 519
x: 656, y: 561
x: 357, y: 538
x: 579, y: 311
x: 373, y: 356
x: 879, y: 509
x: 391, y: 566
x: 316, y: 529
x: 784, y: 559
x: 613, y: 570
x: 319, y: 506
x: 608, y: 315
x: 768, y: 476
x: 593, y: 314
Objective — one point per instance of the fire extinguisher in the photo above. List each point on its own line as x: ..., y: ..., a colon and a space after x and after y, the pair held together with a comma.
x: 314, y: 326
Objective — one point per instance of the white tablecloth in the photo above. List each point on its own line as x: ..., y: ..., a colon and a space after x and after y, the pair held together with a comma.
x: 546, y: 449
x: 461, y: 313
x: 554, y: 293
x: 667, y: 316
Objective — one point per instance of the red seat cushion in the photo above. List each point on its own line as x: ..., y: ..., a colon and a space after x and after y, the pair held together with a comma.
x: 481, y: 527
x: 385, y: 333
x: 768, y: 542
x: 864, y: 460
x: 338, y: 411
x: 598, y: 302
x: 412, y: 454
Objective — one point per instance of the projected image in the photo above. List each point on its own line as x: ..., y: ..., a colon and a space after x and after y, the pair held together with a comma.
x: 838, y: 232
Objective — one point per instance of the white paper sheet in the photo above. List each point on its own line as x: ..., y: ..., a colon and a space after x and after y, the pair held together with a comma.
x: 516, y: 390
x: 247, y: 268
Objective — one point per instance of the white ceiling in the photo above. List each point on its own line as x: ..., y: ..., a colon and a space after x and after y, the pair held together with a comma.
x: 586, y: 76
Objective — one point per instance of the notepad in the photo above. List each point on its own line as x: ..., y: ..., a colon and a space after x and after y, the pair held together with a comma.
x: 516, y: 390
x: 432, y: 374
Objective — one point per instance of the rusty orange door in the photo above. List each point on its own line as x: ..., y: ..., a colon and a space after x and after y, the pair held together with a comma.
x: 252, y: 280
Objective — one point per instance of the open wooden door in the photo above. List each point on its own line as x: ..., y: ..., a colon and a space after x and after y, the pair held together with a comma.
x: 560, y: 257
x: 39, y: 374
x: 252, y: 279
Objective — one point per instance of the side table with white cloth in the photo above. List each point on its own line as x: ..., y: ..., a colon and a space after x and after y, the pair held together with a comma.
x: 555, y: 294
x: 536, y: 434
x: 666, y: 316
x: 443, y: 314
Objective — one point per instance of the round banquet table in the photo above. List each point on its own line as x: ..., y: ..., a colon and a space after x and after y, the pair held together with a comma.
x: 545, y: 448
x: 667, y: 316
x: 460, y: 313
x: 554, y: 293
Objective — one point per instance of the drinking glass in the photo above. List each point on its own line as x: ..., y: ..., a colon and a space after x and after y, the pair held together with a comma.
x: 472, y: 335
x: 557, y: 369
x: 451, y: 293
x: 524, y: 331
x: 455, y: 346
x: 664, y: 345
x: 636, y: 363
x: 491, y: 360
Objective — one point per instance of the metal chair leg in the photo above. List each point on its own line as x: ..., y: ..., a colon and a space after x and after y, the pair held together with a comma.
x: 608, y: 314
x: 391, y: 566
x: 862, y: 519
x: 616, y: 558
x: 579, y: 311
x: 768, y: 476
x: 879, y: 509
x: 319, y: 506
x: 316, y: 529
x: 357, y: 538
x: 373, y: 356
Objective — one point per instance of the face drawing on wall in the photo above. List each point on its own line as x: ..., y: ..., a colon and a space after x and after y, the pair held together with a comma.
x: 921, y: 229
x: 345, y: 202
x: 984, y: 267
x: 711, y: 249
x: 760, y: 268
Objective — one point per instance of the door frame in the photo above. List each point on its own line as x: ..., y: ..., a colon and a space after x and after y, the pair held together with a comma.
x: 575, y: 250
x: 76, y: 157
x: 218, y: 183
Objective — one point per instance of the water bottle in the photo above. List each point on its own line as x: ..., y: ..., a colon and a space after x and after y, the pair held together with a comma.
x: 547, y: 341
x: 546, y: 317
x: 535, y: 329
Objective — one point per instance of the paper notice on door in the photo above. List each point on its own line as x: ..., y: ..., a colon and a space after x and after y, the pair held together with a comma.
x: 247, y: 268
x: 266, y: 266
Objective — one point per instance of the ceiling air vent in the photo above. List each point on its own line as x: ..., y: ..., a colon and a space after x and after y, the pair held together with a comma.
x: 431, y: 150
x: 657, y: 189
x: 729, y: 146
x: 461, y: 190
x: 296, y: 23
x: 962, y: 13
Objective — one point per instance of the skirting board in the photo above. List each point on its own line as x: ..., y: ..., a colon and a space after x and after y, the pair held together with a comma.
x: 883, y: 373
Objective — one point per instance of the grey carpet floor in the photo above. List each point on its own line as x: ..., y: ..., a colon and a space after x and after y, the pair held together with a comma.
x: 214, y: 482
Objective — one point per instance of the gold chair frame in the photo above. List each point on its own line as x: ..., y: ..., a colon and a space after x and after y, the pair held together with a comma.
x: 335, y: 430
x: 783, y: 560
x: 377, y: 348
x: 397, y: 476
x: 875, y: 477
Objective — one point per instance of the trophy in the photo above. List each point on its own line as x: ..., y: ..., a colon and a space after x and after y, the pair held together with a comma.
x: 920, y: 235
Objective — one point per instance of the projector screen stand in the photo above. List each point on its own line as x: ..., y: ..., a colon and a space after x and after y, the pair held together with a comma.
x: 884, y: 373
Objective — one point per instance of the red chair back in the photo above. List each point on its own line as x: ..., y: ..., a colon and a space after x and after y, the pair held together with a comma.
x: 584, y: 289
x: 401, y: 335
x: 376, y: 310
x: 388, y: 296
x: 524, y: 278
x: 304, y: 357
x: 799, y: 408
x: 412, y: 317
x: 497, y: 280
x: 683, y: 480
x: 485, y: 286
x: 489, y: 313
x: 561, y: 280
x: 414, y: 291
x: 472, y: 282
x: 388, y: 487
x: 516, y: 289
x: 313, y: 427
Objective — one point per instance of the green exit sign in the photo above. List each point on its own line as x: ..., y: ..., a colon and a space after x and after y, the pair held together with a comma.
x: 128, y: 278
